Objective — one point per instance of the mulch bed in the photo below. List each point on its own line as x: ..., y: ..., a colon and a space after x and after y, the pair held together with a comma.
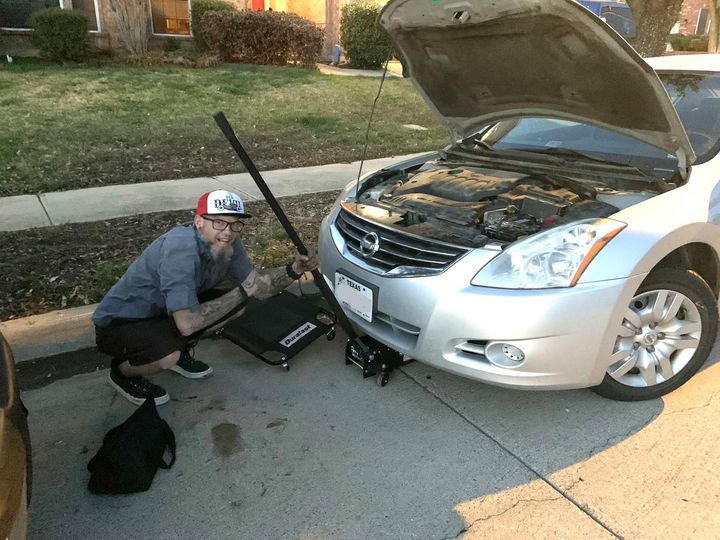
x: 72, y: 265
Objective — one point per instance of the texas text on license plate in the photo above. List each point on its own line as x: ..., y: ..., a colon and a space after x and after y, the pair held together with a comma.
x: 354, y: 296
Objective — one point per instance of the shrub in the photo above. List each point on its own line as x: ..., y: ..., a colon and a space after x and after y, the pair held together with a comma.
x: 199, y: 8
x: 262, y: 37
x: 365, y: 42
x: 60, y: 34
x: 699, y: 44
x: 691, y: 42
x: 171, y: 45
x: 677, y: 42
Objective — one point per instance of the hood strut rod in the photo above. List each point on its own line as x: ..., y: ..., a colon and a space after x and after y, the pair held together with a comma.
x: 227, y: 130
x: 373, y: 357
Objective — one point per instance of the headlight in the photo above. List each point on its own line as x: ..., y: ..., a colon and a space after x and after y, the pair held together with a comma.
x: 554, y: 258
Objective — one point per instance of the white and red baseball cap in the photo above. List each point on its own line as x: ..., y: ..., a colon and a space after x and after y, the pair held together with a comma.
x: 221, y: 202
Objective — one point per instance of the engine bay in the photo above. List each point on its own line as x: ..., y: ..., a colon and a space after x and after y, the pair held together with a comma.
x: 471, y: 206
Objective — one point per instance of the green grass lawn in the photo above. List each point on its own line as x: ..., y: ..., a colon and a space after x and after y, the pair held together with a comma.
x: 72, y: 127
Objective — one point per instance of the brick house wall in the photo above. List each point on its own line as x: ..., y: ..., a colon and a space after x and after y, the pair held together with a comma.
x: 240, y: 4
x: 690, y: 13
x: 324, y: 13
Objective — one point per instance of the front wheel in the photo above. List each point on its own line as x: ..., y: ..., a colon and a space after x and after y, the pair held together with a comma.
x: 666, y: 334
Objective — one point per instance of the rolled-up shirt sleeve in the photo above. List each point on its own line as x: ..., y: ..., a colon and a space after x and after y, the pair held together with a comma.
x: 177, y: 270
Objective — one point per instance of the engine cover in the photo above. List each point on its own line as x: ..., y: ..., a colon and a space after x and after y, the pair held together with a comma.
x: 459, y: 184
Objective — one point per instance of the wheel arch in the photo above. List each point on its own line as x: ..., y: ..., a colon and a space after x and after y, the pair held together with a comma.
x: 640, y: 249
x: 698, y: 257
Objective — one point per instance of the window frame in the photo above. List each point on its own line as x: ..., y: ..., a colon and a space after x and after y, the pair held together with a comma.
x: 97, y: 16
x: 61, y: 4
x: 703, y: 13
x: 10, y: 29
x: 181, y: 36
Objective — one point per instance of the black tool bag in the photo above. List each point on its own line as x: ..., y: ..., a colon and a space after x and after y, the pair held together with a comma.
x: 132, y: 452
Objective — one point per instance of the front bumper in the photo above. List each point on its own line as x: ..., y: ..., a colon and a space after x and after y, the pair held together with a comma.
x: 566, y: 335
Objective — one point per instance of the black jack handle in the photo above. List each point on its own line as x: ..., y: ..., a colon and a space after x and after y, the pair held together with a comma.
x: 227, y: 130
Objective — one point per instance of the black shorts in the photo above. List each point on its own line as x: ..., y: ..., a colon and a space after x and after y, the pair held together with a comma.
x: 139, y: 341
x: 143, y: 341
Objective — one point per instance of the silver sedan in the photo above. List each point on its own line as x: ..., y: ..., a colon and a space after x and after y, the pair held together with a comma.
x: 567, y: 236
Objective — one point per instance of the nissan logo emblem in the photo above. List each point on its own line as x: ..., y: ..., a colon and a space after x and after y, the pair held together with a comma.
x: 369, y: 245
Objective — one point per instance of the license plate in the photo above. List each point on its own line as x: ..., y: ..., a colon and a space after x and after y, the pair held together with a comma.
x: 354, y: 296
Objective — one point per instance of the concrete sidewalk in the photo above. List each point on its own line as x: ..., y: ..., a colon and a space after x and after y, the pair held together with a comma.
x: 70, y: 330
x: 93, y: 204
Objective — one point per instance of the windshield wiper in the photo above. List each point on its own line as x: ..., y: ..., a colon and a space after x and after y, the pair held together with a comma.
x: 568, y: 152
x: 582, y: 156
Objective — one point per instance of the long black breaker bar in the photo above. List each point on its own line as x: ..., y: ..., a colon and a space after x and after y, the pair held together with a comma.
x: 371, y: 356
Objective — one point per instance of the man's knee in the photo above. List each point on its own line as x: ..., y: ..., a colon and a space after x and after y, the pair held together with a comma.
x: 169, y: 361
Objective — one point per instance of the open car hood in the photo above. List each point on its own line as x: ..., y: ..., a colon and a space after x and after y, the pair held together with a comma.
x: 481, y: 61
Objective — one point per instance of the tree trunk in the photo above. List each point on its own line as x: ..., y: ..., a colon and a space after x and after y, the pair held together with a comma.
x: 133, y: 18
x: 713, y: 38
x: 332, y: 26
x: 653, y: 19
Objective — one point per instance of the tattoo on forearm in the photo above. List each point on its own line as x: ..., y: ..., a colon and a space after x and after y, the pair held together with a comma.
x: 265, y: 283
x: 207, y: 313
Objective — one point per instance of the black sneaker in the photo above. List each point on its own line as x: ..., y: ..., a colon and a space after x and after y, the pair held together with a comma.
x: 137, y: 389
x: 188, y: 367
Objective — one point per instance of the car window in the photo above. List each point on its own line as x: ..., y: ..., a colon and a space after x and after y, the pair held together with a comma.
x: 546, y: 134
x: 620, y: 19
x: 696, y: 97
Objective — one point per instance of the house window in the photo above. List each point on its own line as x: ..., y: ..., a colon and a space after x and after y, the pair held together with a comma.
x: 89, y: 9
x: 702, y: 22
x: 171, y: 17
x: 16, y: 13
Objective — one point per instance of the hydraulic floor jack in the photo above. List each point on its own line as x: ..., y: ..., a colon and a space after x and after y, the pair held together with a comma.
x: 287, y: 325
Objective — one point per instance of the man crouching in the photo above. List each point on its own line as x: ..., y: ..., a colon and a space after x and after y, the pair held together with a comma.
x: 167, y: 300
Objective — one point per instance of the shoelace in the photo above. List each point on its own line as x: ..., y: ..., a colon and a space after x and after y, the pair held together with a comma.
x: 140, y: 383
x: 190, y: 356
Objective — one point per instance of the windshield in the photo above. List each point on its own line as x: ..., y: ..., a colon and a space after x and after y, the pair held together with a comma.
x: 695, y: 96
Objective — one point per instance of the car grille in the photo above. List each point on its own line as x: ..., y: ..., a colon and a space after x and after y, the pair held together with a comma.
x: 397, y: 249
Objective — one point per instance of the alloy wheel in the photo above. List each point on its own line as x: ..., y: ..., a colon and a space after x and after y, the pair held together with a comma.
x: 659, y: 335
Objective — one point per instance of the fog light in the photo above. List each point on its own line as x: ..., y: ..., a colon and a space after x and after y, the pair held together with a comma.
x: 504, y: 355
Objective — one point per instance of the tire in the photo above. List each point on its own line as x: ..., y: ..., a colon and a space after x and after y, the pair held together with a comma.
x: 665, y: 337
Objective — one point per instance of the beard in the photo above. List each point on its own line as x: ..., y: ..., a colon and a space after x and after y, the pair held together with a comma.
x: 222, y: 254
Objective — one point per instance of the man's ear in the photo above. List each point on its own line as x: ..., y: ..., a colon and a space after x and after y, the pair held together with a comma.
x: 198, y: 221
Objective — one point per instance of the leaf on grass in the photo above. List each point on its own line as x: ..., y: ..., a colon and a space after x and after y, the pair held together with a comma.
x: 53, y: 278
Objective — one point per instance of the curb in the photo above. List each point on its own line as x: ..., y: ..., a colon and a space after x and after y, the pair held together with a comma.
x: 70, y: 330
x: 50, y: 334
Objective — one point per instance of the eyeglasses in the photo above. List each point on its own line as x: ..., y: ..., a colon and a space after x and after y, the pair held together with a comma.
x: 221, y: 224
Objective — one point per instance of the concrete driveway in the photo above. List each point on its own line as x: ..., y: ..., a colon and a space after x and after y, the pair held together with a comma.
x: 321, y: 453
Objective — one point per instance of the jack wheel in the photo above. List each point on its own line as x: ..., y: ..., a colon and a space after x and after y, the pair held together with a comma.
x: 330, y: 335
x: 286, y: 366
x: 383, y: 379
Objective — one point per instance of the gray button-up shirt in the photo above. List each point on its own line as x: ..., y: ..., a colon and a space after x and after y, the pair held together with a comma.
x: 168, y: 276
